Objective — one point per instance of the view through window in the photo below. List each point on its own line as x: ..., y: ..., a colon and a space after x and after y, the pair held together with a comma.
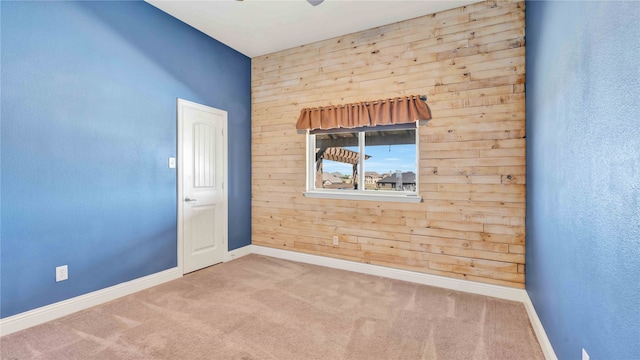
x: 389, y: 154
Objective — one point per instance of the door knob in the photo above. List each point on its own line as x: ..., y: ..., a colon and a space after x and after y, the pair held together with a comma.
x: 188, y: 199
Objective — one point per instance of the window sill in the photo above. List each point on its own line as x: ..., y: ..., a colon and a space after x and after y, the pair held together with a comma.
x: 343, y: 195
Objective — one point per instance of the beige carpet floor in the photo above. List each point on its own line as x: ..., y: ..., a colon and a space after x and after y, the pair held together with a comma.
x: 259, y: 307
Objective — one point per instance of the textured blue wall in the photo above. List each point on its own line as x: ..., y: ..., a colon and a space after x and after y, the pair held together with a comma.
x: 88, y: 122
x: 583, y: 183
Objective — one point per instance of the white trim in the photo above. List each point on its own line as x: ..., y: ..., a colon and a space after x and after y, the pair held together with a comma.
x: 417, y: 157
x: 361, y: 140
x: 497, y: 291
x: 370, y: 195
x: 46, y: 313
x: 541, y: 334
x: 179, y: 184
x: 238, y: 253
x: 361, y: 193
x: 310, y: 144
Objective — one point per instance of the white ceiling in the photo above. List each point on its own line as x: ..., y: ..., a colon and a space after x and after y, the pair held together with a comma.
x: 259, y: 27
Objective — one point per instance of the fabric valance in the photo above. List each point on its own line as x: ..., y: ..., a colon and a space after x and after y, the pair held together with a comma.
x: 400, y: 110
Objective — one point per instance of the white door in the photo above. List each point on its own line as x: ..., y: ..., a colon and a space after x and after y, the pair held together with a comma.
x: 202, y: 172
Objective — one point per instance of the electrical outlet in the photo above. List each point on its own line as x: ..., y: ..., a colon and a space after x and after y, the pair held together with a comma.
x: 62, y: 273
x: 585, y: 356
x: 336, y: 240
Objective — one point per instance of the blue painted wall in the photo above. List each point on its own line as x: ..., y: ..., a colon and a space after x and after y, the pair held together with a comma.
x: 583, y: 183
x: 88, y: 121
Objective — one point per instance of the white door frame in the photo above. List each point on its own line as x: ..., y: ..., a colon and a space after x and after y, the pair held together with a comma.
x: 225, y: 165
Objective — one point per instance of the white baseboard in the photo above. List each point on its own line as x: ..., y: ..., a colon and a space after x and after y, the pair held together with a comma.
x: 473, y: 287
x: 238, y: 253
x: 541, y: 334
x: 50, y: 312
x: 497, y: 291
x: 57, y: 310
x: 43, y: 314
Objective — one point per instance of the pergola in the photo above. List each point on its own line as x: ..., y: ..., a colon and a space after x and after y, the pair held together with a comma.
x: 331, y: 147
x: 337, y: 154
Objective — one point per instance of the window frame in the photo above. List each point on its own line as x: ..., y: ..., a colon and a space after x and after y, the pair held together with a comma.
x: 361, y: 193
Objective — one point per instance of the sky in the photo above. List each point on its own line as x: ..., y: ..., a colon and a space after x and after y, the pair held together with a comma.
x: 384, y: 158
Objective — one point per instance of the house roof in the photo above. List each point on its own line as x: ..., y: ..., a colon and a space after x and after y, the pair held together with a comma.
x: 331, y: 178
x: 408, y: 177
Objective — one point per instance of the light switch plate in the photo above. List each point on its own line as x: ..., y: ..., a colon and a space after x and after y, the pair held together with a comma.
x: 62, y: 273
x: 172, y: 163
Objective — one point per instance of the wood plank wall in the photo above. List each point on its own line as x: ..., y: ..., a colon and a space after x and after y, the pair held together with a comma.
x: 470, y: 62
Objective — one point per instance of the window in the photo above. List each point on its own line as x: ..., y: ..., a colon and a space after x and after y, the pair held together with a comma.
x: 364, y: 150
x: 368, y: 163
